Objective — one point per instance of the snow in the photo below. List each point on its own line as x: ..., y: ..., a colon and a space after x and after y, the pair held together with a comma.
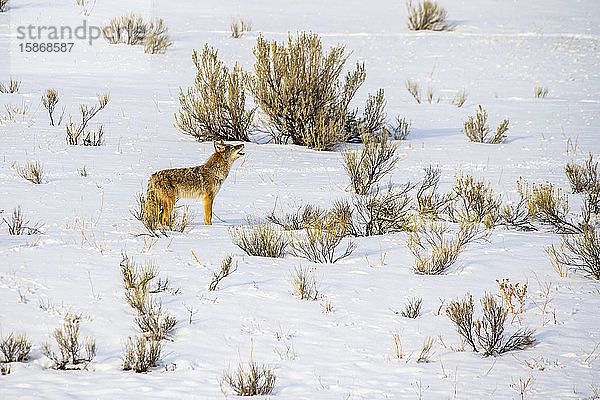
x: 499, y: 51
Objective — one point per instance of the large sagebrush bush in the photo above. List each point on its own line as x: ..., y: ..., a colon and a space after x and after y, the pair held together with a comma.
x: 215, y: 107
x: 258, y: 239
x: 298, y: 87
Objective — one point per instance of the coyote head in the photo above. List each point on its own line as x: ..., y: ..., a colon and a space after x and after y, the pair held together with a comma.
x: 229, y: 152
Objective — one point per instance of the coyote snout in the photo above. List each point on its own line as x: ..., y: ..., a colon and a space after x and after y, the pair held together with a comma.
x: 203, y: 181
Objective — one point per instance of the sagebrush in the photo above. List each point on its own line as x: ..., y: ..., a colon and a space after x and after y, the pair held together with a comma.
x: 15, y: 348
x: 427, y: 15
x: 251, y: 380
x: 298, y: 87
x: 259, y: 239
x: 477, y: 129
x: 72, y: 353
x: 215, y: 107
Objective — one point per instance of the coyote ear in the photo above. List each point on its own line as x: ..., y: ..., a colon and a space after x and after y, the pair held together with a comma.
x: 219, y: 146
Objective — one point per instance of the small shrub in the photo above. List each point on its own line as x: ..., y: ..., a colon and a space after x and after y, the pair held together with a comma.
x: 78, y: 134
x: 459, y: 98
x: 12, y: 86
x: 304, y: 284
x: 474, y: 202
x: 427, y: 15
x: 132, y: 30
x: 32, y: 171
x: 379, y: 212
x: 540, y: 92
x: 70, y: 350
x: 263, y: 240
x: 517, y: 216
x: 298, y: 88
x: 82, y: 171
x: 4, y: 368
x: 254, y: 381
x: 50, y: 100
x: 139, y: 281
x: 140, y: 354
x: 582, y: 252
x: 3, y: 4
x: 426, y: 350
x: 429, y: 202
x: 434, y: 251
x: 477, y: 129
x: 215, y: 107
x: 585, y: 180
x: 412, y: 308
x: 401, y: 129
x: 15, y: 348
x: 224, y: 272
x: 16, y: 111
x: 372, y: 121
x: 239, y: 27
x: 486, y: 335
x: 367, y: 166
x: 156, y: 39
x: 153, y: 323
x: 19, y: 225
x: 321, y: 240
x: 549, y: 206
x: 297, y: 220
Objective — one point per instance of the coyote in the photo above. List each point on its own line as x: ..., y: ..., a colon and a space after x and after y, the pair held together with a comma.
x: 203, y: 181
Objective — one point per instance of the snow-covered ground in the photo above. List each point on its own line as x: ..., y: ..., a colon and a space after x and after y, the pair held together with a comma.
x: 499, y: 51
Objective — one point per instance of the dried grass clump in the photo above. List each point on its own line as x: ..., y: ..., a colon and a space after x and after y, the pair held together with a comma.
x: 321, y: 239
x: 32, y: 171
x: 297, y: 85
x: 459, y: 98
x: 427, y: 15
x: 477, y: 129
x: 78, y: 134
x: 140, y: 354
x: 215, y: 107
x: 305, y: 284
x: 367, y: 166
x: 72, y: 354
x: 19, y: 225
x: 50, y: 100
x: 240, y: 26
x: 255, y: 380
x: 426, y: 350
x: 435, y: 250
x: 226, y: 270
x: 474, y: 202
x: 581, y: 251
x: 414, y: 88
x: 12, y: 86
x: 15, y: 348
x: 486, y: 335
x: 540, y: 92
x: 258, y: 239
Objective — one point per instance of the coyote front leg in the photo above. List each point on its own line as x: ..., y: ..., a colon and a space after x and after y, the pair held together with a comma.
x: 208, y: 202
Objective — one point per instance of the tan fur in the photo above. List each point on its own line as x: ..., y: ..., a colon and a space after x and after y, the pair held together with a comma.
x: 203, y: 181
